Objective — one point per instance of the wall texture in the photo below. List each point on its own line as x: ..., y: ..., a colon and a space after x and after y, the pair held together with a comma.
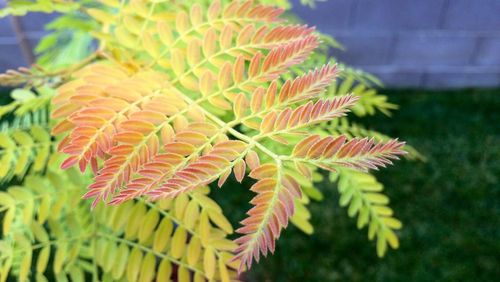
x: 422, y: 43
x: 407, y: 43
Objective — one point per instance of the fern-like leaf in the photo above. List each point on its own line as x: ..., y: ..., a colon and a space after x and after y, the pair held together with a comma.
x: 342, y: 126
x: 47, y: 230
x: 273, y: 206
x: 168, y: 119
x: 362, y: 195
x: 360, y: 154
x: 25, y: 145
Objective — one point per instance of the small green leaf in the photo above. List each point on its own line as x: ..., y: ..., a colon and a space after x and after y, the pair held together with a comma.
x: 209, y: 262
x: 109, y: 258
x: 381, y: 244
x: 392, y: 222
x: 191, y: 215
x: 44, y: 208
x: 147, y: 268
x: 193, y: 251
x: 149, y: 223
x: 178, y: 243
x: 221, y: 221
x: 206, y: 202
x: 134, y: 264
x: 391, y: 238
x: 224, y: 274
x: 120, y: 261
x: 180, y: 205
x: 204, y: 228
x: 303, y: 224
x: 164, y: 271
x: 183, y: 274
x: 43, y: 259
x: 6, y: 200
x: 22, y: 95
x: 39, y: 231
x: 135, y: 220
x: 60, y: 257
x: 163, y: 234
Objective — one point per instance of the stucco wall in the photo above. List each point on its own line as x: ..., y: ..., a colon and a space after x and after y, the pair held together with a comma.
x: 407, y: 43
x: 423, y: 43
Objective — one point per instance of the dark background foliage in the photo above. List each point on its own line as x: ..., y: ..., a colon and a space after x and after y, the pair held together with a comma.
x: 450, y: 205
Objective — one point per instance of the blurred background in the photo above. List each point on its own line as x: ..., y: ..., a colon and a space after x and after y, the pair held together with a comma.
x: 406, y: 43
x: 424, y: 43
x: 440, y: 61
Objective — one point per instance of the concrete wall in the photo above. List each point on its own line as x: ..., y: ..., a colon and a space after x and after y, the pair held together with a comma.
x: 417, y: 43
x: 407, y: 43
x: 11, y: 55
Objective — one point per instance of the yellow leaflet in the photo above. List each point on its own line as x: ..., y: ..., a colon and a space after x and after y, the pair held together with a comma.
x: 178, y: 244
x: 134, y: 264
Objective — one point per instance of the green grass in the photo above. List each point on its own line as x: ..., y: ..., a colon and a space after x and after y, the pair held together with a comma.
x: 450, y: 205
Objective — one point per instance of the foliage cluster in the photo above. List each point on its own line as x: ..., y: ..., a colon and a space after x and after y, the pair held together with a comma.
x: 159, y: 99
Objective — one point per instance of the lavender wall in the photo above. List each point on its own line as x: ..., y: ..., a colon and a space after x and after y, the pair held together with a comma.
x: 407, y: 43
x: 417, y: 43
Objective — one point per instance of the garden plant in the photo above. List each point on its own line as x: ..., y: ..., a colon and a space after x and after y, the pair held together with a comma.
x: 136, y: 109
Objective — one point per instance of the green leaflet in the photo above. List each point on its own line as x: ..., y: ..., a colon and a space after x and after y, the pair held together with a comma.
x: 361, y: 193
x: 22, y: 95
x: 370, y: 101
x: 24, y: 150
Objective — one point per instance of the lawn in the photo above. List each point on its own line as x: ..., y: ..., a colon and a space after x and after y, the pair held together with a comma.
x: 450, y: 205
